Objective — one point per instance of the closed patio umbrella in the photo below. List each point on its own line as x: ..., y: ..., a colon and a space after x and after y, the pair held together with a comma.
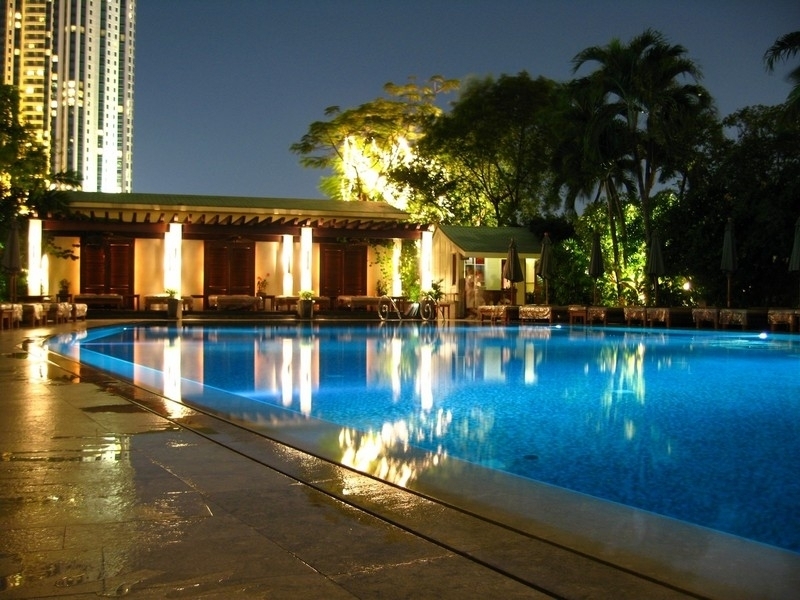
x: 794, y: 258
x: 544, y: 268
x: 12, y: 264
x: 655, y: 263
x: 512, y: 270
x: 596, y: 266
x: 729, y: 263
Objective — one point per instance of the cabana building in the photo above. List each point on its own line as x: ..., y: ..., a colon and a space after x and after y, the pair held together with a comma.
x: 137, y: 246
x: 470, y: 261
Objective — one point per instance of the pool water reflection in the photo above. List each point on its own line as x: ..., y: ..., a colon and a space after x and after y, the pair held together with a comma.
x: 700, y: 426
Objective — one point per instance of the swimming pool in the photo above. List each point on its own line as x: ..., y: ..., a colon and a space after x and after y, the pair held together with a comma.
x: 699, y: 426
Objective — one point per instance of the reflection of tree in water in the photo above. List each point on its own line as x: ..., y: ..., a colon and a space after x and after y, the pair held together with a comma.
x: 624, y: 425
x: 393, y: 453
x: 396, y: 454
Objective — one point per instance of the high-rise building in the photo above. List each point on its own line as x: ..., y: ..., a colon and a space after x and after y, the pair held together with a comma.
x: 73, y: 63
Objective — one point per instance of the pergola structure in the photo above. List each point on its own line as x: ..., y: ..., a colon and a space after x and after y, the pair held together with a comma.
x: 138, y: 244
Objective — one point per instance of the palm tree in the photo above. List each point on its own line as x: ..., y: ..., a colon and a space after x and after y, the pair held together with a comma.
x: 590, y: 162
x: 642, y: 88
x: 783, y: 49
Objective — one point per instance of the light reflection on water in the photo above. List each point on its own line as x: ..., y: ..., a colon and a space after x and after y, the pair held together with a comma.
x: 702, y: 426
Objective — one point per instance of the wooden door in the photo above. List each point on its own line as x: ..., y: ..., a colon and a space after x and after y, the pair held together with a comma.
x: 343, y: 270
x: 229, y: 268
x: 107, y: 266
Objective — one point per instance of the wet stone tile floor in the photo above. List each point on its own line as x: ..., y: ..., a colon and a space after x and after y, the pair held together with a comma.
x: 100, y: 496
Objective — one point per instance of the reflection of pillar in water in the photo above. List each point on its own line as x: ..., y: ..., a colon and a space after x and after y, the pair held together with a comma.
x: 530, y: 363
x: 396, y: 357
x: 425, y: 378
x: 286, y: 372
x: 305, y: 377
x: 172, y: 377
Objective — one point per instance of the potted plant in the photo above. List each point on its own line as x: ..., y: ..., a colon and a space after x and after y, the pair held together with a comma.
x: 173, y: 304
x: 305, y: 304
x: 261, y: 285
x: 63, y: 290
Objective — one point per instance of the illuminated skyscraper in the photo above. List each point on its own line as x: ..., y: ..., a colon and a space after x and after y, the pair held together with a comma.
x: 73, y: 63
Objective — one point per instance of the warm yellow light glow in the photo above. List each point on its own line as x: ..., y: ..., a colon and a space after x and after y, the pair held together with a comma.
x: 397, y: 283
x: 305, y: 258
x: 173, y: 241
x: 172, y: 368
x: 34, y: 257
x: 426, y: 260
x: 306, y: 349
x: 286, y: 264
x: 425, y: 378
x: 287, y: 376
x: 45, y: 275
x: 364, y: 169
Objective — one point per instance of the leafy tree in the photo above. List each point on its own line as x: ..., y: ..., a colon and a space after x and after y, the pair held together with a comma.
x: 753, y: 178
x: 783, y: 49
x: 361, y: 145
x: 591, y: 162
x: 25, y: 187
x: 641, y: 84
x: 495, y: 145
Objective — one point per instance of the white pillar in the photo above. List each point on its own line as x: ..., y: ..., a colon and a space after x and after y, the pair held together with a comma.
x: 288, y: 251
x: 34, y: 257
x: 305, y: 259
x: 397, y: 283
x: 45, y: 275
x: 173, y: 242
x: 426, y: 260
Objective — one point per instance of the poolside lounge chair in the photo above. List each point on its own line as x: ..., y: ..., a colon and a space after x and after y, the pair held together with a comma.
x: 733, y: 316
x: 536, y: 312
x: 11, y: 315
x: 658, y: 315
x: 705, y: 315
x: 58, y: 312
x: 79, y: 311
x: 782, y: 316
x: 597, y: 313
x: 635, y: 313
x: 576, y: 313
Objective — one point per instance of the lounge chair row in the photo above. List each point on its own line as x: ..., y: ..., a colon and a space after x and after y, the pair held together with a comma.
x: 40, y: 313
x: 641, y: 315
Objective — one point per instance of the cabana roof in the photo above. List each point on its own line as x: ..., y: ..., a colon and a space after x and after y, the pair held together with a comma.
x: 491, y: 241
x: 150, y: 213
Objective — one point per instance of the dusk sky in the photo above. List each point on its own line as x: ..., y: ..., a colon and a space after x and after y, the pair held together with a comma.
x: 224, y: 88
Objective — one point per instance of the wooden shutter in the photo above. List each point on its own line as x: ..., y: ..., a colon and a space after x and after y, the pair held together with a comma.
x: 343, y: 270
x: 229, y: 267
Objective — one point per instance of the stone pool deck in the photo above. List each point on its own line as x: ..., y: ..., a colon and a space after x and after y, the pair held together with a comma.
x: 106, y: 490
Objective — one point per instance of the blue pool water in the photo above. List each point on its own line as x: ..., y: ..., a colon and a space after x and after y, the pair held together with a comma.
x: 699, y: 426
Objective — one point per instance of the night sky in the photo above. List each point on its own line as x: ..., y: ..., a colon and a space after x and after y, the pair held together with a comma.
x: 224, y: 88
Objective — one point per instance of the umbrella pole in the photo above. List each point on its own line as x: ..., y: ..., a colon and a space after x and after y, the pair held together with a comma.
x: 729, y: 290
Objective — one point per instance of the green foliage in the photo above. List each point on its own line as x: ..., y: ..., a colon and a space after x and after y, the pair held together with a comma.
x: 409, y: 270
x: 361, y: 145
x: 495, y: 143
x: 382, y: 251
x: 785, y: 48
x: 755, y: 179
x: 436, y: 292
